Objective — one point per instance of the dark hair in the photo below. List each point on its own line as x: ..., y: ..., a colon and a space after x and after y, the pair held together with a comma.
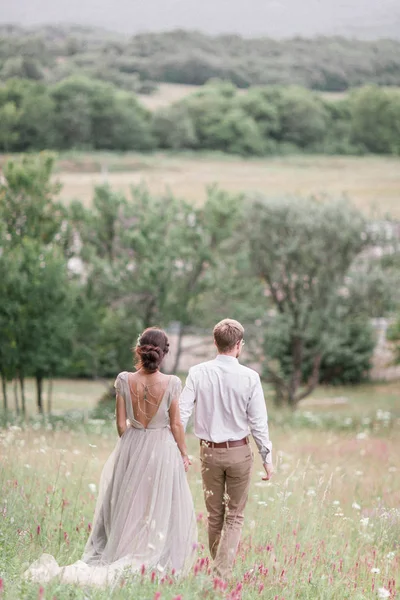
x: 151, y: 347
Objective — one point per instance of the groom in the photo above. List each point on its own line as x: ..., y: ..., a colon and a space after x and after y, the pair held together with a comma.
x: 229, y: 403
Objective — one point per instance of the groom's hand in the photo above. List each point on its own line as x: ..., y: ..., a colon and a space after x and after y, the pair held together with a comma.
x: 269, y: 470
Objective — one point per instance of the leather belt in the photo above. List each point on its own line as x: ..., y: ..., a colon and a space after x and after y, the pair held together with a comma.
x: 231, y: 444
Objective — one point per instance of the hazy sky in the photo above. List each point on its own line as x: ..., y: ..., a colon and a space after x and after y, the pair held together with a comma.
x: 362, y: 18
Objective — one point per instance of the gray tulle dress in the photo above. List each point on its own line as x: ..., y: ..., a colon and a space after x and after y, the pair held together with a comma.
x: 144, y: 513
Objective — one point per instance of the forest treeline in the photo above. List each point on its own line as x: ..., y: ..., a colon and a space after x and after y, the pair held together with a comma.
x: 89, y: 114
x: 53, y: 53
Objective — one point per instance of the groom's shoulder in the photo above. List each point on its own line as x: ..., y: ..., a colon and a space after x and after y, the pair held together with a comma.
x: 201, y: 366
x: 251, y: 373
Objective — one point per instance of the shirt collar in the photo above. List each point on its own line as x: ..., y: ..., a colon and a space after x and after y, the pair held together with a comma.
x: 226, y: 358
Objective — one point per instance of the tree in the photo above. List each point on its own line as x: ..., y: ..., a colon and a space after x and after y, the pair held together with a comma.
x: 302, y: 116
x: 27, y: 204
x: 303, y: 251
x: 9, y: 121
x: 34, y: 311
x: 376, y: 119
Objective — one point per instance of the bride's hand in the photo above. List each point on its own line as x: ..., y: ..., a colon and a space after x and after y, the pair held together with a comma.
x: 186, y: 462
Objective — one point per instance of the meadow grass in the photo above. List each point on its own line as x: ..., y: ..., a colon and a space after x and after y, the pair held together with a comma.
x: 372, y: 183
x: 326, y: 527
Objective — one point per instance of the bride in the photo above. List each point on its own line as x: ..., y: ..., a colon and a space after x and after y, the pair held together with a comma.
x: 144, y: 513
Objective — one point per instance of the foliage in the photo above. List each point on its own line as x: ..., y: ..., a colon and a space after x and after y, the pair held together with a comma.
x: 309, y: 256
x: 83, y: 113
x: 36, y: 295
x: 135, y: 63
x: 347, y: 351
x: 79, y: 284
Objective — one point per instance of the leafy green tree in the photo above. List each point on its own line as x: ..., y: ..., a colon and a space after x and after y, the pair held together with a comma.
x: 9, y: 122
x: 302, y: 116
x: 304, y: 252
x: 27, y: 204
x: 173, y: 127
x: 36, y: 244
x: 376, y: 119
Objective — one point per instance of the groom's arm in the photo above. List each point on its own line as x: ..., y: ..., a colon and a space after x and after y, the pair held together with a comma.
x: 187, y: 400
x: 258, y: 422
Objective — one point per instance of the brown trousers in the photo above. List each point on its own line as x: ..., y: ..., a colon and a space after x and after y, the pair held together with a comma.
x: 226, y: 476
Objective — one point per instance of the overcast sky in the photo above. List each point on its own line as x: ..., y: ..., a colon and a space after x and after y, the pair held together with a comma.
x: 361, y: 18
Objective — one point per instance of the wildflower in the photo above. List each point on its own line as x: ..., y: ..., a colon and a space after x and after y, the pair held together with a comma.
x: 92, y: 488
x: 356, y: 506
x: 383, y: 593
x: 157, y: 596
x: 38, y: 530
x: 142, y: 570
x: 375, y: 570
x: 390, y: 556
x: 364, y: 522
x: 1, y: 586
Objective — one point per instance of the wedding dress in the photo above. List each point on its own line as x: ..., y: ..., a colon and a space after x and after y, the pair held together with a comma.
x: 144, y: 513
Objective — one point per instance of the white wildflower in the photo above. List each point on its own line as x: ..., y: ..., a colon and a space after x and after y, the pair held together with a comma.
x: 364, y: 522
x: 383, y: 593
x: 356, y: 506
x: 375, y: 570
x: 390, y: 556
x: 92, y: 487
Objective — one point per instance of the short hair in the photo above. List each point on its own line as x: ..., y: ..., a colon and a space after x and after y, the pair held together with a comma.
x: 227, y: 333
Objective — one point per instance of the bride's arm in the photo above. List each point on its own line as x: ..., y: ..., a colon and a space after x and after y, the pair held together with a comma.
x: 177, y: 430
x: 121, y: 414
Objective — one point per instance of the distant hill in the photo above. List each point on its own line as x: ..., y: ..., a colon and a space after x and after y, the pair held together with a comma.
x: 363, y: 19
x: 52, y: 53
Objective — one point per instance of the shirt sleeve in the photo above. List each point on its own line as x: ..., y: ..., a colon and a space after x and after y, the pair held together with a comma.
x: 187, y: 400
x: 258, y: 422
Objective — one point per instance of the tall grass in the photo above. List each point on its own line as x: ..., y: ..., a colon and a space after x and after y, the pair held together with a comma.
x: 326, y: 527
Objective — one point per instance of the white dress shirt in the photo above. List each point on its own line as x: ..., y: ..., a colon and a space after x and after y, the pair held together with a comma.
x: 229, y: 403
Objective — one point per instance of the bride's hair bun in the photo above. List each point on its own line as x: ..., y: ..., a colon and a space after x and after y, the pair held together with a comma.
x: 152, y: 346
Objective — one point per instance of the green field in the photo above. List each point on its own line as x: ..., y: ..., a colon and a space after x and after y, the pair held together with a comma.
x: 326, y: 527
x: 372, y: 183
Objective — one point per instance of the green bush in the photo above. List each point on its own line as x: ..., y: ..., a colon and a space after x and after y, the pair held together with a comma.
x: 346, y: 354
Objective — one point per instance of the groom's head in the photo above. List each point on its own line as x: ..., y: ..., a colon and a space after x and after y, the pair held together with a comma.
x: 228, y: 337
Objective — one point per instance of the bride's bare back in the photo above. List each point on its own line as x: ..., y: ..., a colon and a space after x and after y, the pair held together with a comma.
x: 147, y: 392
